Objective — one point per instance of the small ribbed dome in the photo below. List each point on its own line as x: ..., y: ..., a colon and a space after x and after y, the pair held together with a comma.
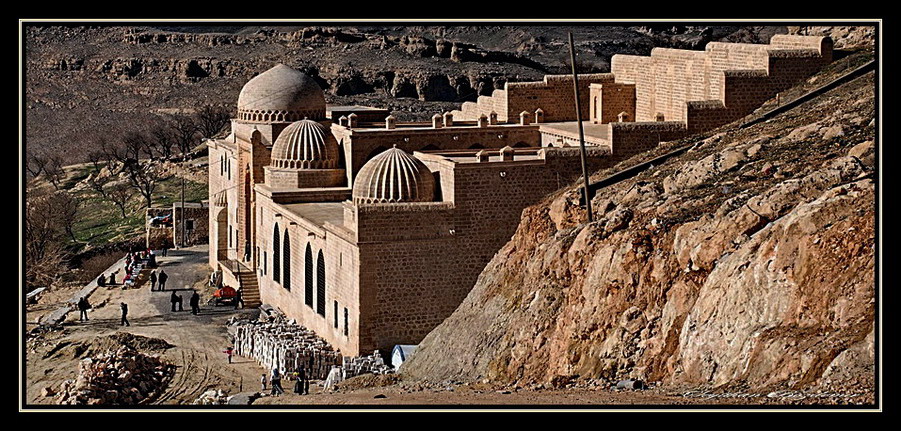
x: 281, y: 94
x: 394, y: 176
x: 305, y: 144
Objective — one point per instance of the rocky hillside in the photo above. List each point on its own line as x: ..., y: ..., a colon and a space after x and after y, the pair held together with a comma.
x: 85, y: 82
x: 747, y: 262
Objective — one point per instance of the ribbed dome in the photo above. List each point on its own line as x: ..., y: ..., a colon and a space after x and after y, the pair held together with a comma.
x: 394, y: 176
x: 305, y: 144
x: 281, y: 94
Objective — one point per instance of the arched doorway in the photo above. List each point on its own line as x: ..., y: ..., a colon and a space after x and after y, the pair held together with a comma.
x: 222, y: 235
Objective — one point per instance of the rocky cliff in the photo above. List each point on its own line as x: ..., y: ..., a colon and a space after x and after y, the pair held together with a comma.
x: 746, y: 262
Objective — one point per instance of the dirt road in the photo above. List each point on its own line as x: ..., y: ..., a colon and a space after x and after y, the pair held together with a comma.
x: 198, y: 341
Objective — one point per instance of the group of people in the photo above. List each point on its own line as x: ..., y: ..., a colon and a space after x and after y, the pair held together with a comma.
x: 161, y: 279
x: 301, y: 382
x: 176, y: 301
x: 83, y: 307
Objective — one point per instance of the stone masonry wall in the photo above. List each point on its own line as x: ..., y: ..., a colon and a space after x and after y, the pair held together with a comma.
x: 341, y: 277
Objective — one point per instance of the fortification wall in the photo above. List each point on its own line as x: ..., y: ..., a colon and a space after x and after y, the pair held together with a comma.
x: 742, y: 76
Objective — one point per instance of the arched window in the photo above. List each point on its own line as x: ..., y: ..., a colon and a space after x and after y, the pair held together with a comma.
x: 286, y: 262
x: 276, y: 256
x: 308, y: 276
x: 320, y: 284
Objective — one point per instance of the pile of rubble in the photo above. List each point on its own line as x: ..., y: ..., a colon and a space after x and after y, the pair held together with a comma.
x: 212, y: 397
x: 283, y: 344
x: 118, y: 377
x: 372, y: 364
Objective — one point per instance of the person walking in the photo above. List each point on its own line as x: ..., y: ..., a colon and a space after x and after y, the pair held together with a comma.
x: 263, y: 382
x: 175, y: 299
x: 152, y: 280
x: 239, y: 298
x: 276, y: 382
x: 195, y: 303
x: 83, y: 307
x: 162, y: 279
x: 228, y: 351
x: 124, y: 308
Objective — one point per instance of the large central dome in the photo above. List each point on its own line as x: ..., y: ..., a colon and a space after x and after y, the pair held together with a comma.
x: 394, y: 176
x: 281, y: 94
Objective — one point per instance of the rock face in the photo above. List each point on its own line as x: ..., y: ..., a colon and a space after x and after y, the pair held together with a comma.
x: 746, y: 262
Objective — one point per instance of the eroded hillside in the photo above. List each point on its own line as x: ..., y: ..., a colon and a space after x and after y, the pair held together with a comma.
x: 747, y: 262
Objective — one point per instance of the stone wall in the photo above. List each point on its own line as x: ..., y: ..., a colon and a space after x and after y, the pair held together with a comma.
x: 194, y: 219
x: 553, y: 95
x: 418, y: 261
x: 670, y: 78
x: 610, y: 99
x: 341, y: 278
x: 359, y: 145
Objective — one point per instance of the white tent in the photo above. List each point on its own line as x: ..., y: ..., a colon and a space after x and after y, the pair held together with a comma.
x: 400, y: 354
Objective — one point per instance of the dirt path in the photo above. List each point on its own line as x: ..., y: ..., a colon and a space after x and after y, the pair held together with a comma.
x: 198, y: 340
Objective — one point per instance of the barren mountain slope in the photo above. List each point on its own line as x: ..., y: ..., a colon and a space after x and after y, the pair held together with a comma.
x: 746, y: 262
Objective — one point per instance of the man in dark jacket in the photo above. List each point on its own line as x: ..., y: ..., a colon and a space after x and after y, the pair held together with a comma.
x: 152, y: 280
x: 162, y: 279
x: 124, y: 308
x: 195, y: 303
x: 83, y: 307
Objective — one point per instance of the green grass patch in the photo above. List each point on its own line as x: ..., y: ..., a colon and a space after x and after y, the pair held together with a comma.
x: 100, y: 222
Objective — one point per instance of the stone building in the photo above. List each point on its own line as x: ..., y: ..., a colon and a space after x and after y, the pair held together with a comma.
x: 177, y: 226
x: 371, y: 231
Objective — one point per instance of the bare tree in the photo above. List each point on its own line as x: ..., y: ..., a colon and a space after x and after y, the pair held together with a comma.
x: 185, y: 131
x: 211, y: 119
x: 65, y: 212
x: 44, y: 249
x: 98, y: 184
x: 120, y: 194
x: 35, y: 163
x: 54, y: 171
x: 163, y: 138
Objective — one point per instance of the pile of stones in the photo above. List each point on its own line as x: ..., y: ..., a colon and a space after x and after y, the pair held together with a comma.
x: 372, y: 364
x: 212, y: 397
x: 283, y: 344
x: 118, y: 377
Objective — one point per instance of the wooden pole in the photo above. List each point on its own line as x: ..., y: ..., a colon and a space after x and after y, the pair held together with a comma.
x: 572, y: 55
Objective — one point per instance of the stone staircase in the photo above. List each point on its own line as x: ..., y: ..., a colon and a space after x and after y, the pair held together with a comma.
x: 250, y: 289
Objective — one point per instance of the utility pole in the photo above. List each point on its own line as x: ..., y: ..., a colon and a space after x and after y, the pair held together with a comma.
x: 572, y: 55
x: 183, y: 199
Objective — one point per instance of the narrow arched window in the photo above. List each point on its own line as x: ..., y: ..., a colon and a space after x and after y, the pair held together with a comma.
x: 286, y: 262
x: 276, y: 256
x: 308, y: 276
x: 320, y: 284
